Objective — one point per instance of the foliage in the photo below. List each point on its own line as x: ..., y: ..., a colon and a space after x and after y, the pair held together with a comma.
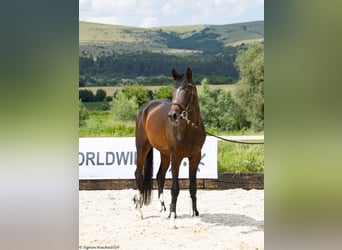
x: 251, y: 91
x: 83, y: 114
x: 219, y: 109
x: 157, y: 81
x: 100, y: 95
x: 86, y: 95
x: 108, y: 53
x: 136, y: 92
x: 240, y: 158
x: 93, y: 106
x: 102, y: 123
x: 124, y: 108
x: 231, y: 157
x: 100, y: 130
x: 164, y: 92
x: 109, y: 98
x: 149, y: 64
x: 105, y: 106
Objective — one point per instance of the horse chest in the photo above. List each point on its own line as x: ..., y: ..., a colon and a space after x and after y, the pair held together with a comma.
x: 186, y: 141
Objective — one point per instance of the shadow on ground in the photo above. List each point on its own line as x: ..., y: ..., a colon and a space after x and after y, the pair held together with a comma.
x: 231, y: 220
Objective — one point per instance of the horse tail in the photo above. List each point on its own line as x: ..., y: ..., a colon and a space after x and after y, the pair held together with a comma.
x: 147, y: 178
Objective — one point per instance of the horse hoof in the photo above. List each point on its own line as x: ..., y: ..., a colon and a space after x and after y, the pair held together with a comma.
x: 172, y: 222
x: 163, y: 209
x: 195, y: 213
x: 172, y: 215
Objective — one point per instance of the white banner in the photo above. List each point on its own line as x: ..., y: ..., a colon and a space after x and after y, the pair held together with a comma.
x: 115, y: 158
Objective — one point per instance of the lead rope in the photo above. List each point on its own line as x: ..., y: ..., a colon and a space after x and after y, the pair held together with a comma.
x: 184, y: 115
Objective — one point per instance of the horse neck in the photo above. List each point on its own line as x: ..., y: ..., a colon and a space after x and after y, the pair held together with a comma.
x: 194, y: 111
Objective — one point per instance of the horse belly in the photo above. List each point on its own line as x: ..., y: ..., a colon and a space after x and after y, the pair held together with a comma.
x: 155, y: 128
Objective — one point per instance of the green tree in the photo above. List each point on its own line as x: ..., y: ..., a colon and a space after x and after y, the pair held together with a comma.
x: 219, y: 109
x: 100, y: 95
x: 250, y: 93
x: 123, y: 108
x: 86, y: 95
x: 164, y: 92
x: 136, y: 91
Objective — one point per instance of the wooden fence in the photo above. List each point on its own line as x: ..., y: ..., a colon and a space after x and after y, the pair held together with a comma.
x: 225, y: 181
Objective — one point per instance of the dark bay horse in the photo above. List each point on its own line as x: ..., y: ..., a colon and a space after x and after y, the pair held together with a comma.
x: 176, y: 130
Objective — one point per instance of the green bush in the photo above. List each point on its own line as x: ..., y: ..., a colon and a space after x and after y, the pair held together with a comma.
x: 123, y: 108
x: 83, y: 114
x: 105, y: 106
x: 108, y: 99
x: 164, y: 92
x: 136, y: 91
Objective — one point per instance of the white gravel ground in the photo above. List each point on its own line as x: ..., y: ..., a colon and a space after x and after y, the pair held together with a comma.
x: 229, y: 219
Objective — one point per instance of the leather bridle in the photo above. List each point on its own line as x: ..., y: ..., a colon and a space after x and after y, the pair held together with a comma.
x: 182, y: 107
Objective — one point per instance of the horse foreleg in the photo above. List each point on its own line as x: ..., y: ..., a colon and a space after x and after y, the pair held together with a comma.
x: 193, y: 166
x: 174, y: 190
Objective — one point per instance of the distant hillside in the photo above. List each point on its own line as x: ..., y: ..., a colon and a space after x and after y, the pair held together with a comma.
x: 103, y: 38
x: 111, y: 54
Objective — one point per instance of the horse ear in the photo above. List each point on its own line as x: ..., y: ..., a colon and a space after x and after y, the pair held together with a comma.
x: 189, y: 74
x: 175, y: 75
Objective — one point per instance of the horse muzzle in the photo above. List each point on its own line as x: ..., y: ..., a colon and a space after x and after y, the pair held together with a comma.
x: 173, y: 116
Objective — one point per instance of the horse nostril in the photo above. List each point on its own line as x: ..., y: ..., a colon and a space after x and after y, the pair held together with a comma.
x: 172, y: 116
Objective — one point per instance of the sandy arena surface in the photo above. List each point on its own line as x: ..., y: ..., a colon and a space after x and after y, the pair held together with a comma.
x: 229, y: 219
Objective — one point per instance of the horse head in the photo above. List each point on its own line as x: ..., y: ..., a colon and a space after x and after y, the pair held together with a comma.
x: 182, y: 95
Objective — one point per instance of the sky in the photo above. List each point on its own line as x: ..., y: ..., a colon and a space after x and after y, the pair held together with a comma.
x: 157, y: 13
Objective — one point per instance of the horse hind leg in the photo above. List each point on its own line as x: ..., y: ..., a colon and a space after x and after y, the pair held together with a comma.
x: 164, y: 165
x: 137, y: 200
x: 193, y: 166
x: 141, y: 157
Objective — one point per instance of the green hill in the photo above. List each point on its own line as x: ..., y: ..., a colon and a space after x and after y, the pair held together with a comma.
x: 112, y: 54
